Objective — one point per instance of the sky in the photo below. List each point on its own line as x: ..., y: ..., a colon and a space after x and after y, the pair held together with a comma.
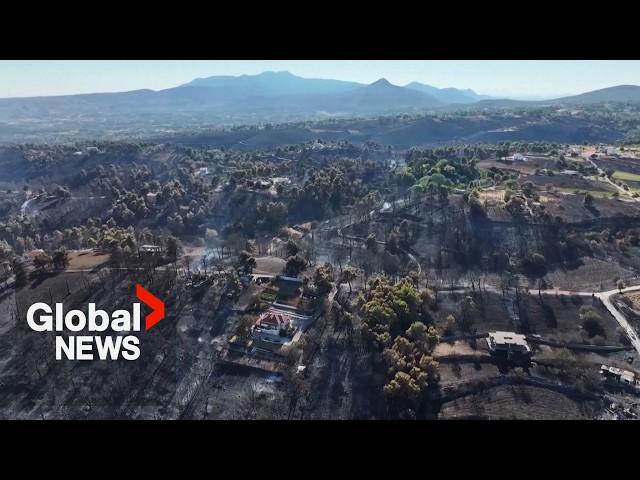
x: 511, y: 78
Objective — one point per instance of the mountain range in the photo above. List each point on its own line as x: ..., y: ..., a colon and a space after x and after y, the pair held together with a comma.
x: 266, y: 97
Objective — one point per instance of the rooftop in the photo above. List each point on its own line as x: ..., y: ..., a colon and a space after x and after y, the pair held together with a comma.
x: 151, y: 248
x: 508, y: 338
x: 509, y: 341
x: 282, y: 278
x: 273, y: 321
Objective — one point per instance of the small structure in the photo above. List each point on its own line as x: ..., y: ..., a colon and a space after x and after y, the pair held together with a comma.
x: 508, y: 343
x: 290, y: 284
x: 518, y: 157
x: 612, y: 151
x: 262, y: 184
x: 150, y: 249
x: 624, y: 376
x: 288, y: 287
x: 284, y: 281
x: 572, y: 173
x: 32, y: 254
x: 197, y: 282
x: 151, y: 198
x: 272, y: 327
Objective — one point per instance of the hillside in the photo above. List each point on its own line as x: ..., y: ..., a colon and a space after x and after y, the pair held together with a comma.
x: 420, y: 131
x: 274, y: 98
x: 620, y: 93
x: 447, y: 95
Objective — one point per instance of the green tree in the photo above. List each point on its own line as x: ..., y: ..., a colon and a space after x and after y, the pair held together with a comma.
x: 426, y: 338
x: 403, y: 386
x: 322, y: 278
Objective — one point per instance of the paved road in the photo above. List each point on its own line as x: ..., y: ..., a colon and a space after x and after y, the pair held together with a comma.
x: 620, y: 318
x: 25, y: 205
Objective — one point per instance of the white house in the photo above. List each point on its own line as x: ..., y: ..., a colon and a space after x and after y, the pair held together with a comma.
x: 508, y: 342
x: 272, y: 327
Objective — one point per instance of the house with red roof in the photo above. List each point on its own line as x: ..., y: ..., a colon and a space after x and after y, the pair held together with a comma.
x: 273, y: 327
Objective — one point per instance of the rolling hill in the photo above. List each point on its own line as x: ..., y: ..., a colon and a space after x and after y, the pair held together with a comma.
x: 619, y: 93
x: 447, y: 95
x: 269, y: 97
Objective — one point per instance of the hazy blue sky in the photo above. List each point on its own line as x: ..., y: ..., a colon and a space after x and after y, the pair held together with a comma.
x: 504, y: 77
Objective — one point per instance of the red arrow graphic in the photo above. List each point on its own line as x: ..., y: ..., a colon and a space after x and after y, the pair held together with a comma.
x: 152, y: 301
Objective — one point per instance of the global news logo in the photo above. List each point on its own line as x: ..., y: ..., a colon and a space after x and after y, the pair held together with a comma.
x: 42, y: 317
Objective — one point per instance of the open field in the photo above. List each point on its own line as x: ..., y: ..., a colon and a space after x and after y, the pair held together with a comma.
x: 86, y: 259
x: 581, y: 191
x: 591, y: 274
x: 269, y: 265
x: 555, y: 318
x: 620, y: 175
x: 520, y: 402
x: 568, y: 183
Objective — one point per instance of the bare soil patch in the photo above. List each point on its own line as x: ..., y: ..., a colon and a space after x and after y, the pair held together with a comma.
x: 269, y: 265
x: 86, y: 259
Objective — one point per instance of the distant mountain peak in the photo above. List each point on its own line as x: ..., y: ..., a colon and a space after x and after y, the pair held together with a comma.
x: 274, y: 73
x: 383, y: 82
x: 447, y: 95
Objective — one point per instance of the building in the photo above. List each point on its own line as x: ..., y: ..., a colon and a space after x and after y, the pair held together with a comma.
x: 150, y: 249
x: 573, y: 173
x: 262, y: 184
x: 293, y: 281
x: 518, y: 157
x: 508, y: 342
x: 151, y: 198
x: 288, y: 286
x: 272, y: 327
x: 618, y: 374
x: 31, y: 255
x: 612, y: 151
